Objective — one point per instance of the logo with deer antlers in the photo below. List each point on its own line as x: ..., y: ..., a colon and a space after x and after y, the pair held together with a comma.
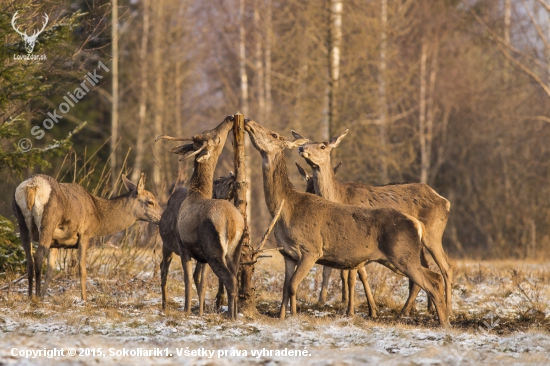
x: 29, y: 40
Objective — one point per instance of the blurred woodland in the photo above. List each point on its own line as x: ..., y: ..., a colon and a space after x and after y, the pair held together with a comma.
x: 453, y: 93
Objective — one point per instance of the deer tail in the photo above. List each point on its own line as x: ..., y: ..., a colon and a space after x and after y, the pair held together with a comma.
x: 30, y: 194
x: 420, y: 228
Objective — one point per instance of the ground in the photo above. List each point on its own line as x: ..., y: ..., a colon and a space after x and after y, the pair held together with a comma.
x: 501, y: 316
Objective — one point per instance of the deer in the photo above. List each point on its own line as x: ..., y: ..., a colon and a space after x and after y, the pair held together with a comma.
x: 210, y: 230
x: 65, y: 215
x: 344, y: 274
x: 313, y: 230
x: 30, y: 41
x: 222, y: 189
x: 415, y: 199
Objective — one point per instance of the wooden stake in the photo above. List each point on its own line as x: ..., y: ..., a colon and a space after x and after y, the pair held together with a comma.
x: 247, y: 294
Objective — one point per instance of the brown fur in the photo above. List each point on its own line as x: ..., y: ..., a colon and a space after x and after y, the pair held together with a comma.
x: 30, y: 193
x: 415, y: 199
x: 223, y: 189
x: 344, y: 274
x: 314, y: 230
x: 70, y: 216
x: 210, y: 230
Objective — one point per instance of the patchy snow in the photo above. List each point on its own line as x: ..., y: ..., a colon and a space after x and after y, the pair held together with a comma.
x: 489, y: 304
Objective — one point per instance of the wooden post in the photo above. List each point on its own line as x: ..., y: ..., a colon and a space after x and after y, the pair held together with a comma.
x: 247, y: 294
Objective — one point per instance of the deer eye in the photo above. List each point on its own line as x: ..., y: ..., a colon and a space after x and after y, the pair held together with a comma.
x: 323, y: 147
x: 274, y: 135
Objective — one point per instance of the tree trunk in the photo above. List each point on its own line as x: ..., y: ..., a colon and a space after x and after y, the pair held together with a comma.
x: 431, y: 109
x: 548, y: 48
x: 507, y: 26
x: 259, y: 64
x: 114, y: 111
x: 382, y: 92
x: 247, y: 294
x: 158, y: 151
x: 335, y: 41
x: 244, y: 83
x: 138, y: 164
x: 268, y: 45
x: 422, y: 117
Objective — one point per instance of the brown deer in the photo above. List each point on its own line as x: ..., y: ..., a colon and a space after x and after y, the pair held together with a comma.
x: 65, y: 215
x: 313, y: 230
x: 344, y: 274
x: 222, y: 189
x: 415, y: 199
x: 210, y: 230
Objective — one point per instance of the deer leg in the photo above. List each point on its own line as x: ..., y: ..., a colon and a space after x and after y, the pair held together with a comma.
x: 167, y: 255
x: 414, y: 289
x: 187, y: 274
x: 201, y: 272
x: 324, y: 285
x: 424, y: 262
x: 290, y: 267
x: 230, y: 282
x: 370, y: 299
x: 432, y: 283
x: 428, y: 280
x: 436, y: 250
x: 50, y: 266
x: 82, y: 246
x: 304, y: 265
x: 220, y: 296
x: 46, y: 234
x: 352, y: 278
x: 344, y: 275
x: 27, y: 247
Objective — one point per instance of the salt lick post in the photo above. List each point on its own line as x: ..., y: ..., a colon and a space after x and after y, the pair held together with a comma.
x: 247, y: 294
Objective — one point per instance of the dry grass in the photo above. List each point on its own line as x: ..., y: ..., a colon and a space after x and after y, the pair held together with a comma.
x: 123, y: 282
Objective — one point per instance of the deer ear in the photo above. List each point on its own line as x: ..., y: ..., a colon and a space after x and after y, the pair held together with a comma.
x: 296, y: 135
x: 203, y: 156
x: 182, y: 149
x: 296, y: 143
x: 128, y: 184
x: 335, y: 141
x: 335, y: 169
x: 141, y: 183
x: 302, y: 172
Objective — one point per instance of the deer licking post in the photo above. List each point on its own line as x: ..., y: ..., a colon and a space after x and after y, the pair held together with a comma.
x: 313, y: 230
x: 210, y: 230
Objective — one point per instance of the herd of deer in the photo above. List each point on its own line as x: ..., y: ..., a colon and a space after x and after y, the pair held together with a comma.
x: 338, y: 225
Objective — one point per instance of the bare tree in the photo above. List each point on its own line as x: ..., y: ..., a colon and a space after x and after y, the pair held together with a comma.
x: 144, y: 78
x: 114, y: 111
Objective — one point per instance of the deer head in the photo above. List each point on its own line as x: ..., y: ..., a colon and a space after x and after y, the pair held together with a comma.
x: 146, y: 207
x: 318, y: 153
x: 223, y: 187
x: 269, y: 142
x: 29, y: 40
x: 310, y: 187
x: 206, y: 145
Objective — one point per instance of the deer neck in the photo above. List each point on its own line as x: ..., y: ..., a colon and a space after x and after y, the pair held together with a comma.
x: 277, y: 186
x: 114, y: 214
x: 200, y: 184
x: 325, y: 183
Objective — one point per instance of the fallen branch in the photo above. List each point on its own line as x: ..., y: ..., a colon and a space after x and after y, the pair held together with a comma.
x: 14, y: 282
x: 257, y: 253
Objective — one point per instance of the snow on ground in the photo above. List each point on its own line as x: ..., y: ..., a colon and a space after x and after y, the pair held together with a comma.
x: 501, y: 317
